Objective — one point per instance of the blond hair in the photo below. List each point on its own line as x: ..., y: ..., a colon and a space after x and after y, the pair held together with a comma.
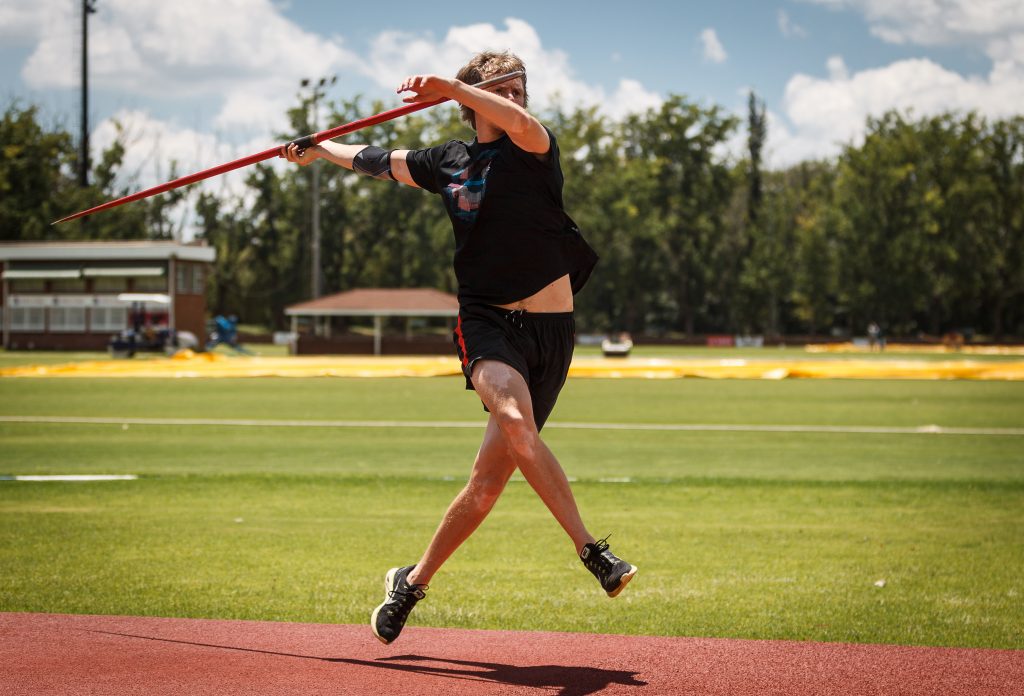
x: 485, y: 65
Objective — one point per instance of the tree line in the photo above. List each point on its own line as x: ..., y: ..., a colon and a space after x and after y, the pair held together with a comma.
x: 920, y: 228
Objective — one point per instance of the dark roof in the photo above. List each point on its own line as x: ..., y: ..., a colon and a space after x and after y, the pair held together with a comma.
x: 380, y: 302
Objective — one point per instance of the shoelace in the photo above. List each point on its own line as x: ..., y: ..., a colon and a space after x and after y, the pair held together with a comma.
x: 603, y: 560
x: 402, y: 596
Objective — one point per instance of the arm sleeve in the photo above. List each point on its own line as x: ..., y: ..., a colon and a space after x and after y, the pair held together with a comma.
x: 424, y: 166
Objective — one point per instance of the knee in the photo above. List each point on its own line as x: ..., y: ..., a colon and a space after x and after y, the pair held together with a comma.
x: 485, y: 491
x: 521, y: 437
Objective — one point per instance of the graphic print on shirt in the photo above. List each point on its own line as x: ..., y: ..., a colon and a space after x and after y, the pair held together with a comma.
x: 466, y: 192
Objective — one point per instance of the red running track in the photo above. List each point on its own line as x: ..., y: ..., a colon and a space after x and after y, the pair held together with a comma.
x: 60, y: 654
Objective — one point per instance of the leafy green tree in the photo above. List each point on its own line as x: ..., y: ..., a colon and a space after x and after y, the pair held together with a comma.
x: 34, y: 163
x: 1003, y: 240
x: 883, y: 232
x: 814, y: 251
x: 692, y: 188
x: 39, y: 186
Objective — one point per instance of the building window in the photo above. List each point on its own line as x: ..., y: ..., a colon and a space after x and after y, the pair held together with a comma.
x: 110, y: 284
x: 27, y: 319
x: 198, y: 280
x: 28, y: 285
x: 75, y: 285
x: 184, y: 278
x: 67, y: 319
x: 150, y: 284
x: 190, y: 279
x: 108, y: 319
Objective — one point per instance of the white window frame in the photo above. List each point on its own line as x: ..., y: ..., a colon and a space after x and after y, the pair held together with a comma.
x: 28, y: 319
x: 198, y: 280
x: 108, y: 319
x: 67, y: 319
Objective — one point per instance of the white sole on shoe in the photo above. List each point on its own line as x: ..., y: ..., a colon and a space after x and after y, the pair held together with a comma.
x: 624, y: 581
x: 389, y: 580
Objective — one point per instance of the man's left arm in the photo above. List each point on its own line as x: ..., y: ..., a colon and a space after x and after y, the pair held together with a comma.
x: 521, y: 126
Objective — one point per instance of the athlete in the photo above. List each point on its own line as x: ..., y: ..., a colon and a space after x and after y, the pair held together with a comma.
x: 519, y: 259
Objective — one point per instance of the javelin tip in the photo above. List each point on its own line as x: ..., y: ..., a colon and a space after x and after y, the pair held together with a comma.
x: 73, y: 216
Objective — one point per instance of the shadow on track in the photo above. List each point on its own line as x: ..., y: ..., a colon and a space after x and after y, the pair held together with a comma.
x: 570, y: 680
x: 573, y: 681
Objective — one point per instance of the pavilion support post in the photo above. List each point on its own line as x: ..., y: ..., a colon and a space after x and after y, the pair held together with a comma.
x: 377, y: 329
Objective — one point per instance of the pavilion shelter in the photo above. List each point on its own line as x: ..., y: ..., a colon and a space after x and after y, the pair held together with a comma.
x: 378, y: 304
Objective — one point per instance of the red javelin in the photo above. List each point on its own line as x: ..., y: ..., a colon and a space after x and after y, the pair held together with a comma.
x: 303, y: 143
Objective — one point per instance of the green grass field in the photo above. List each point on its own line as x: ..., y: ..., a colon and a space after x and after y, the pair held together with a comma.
x: 737, y: 533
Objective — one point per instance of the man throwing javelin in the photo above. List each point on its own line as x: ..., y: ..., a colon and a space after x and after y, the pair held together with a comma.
x: 519, y: 259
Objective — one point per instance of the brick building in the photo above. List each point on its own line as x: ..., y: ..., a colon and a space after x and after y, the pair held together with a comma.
x: 76, y: 295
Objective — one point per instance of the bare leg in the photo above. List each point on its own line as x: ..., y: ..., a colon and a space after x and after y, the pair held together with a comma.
x: 493, y: 467
x: 507, y: 397
x: 511, y: 440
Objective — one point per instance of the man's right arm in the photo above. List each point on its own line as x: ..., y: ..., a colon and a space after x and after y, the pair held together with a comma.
x: 373, y: 162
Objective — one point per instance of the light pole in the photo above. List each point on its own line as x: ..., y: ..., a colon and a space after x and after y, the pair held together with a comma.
x: 88, y: 8
x: 316, y: 270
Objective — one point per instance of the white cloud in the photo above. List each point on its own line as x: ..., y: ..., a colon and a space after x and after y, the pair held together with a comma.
x: 241, y: 50
x: 822, y: 114
x: 248, y: 57
x: 713, y: 49
x: 994, y: 26
x: 152, y: 144
x: 630, y: 97
x: 23, y: 22
x: 395, y: 55
x: 788, y: 27
x: 837, y: 68
x: 826, y: 113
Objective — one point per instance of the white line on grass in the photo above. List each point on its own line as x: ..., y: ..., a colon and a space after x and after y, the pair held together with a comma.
x: 73, y: 477
x: 666, y: 427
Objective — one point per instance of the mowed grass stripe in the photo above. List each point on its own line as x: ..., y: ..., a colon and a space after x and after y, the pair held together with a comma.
x: 665, y: 427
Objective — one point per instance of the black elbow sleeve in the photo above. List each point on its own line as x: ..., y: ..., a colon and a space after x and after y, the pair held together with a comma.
x: 373, y: 161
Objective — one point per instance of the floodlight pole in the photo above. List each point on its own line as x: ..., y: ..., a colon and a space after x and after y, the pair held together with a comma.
x: 316, y: 279
x: 88, y: 8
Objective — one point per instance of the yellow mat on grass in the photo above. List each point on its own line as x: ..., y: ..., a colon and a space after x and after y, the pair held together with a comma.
x: 212, y: 365
x: 914, y: 348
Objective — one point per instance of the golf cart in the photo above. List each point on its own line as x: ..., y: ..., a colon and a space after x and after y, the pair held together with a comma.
x: 149, y: 331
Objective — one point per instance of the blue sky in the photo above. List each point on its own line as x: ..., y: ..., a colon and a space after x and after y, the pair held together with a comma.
x: 205, y: 82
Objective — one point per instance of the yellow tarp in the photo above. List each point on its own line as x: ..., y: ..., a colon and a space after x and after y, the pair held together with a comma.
x: 914, y: 348
x: 213, y: 365
x: 781, y: 369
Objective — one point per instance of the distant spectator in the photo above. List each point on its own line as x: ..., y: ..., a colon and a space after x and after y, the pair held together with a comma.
x: 876, y: 339
x: 954, y: 340
x: 226, y: 332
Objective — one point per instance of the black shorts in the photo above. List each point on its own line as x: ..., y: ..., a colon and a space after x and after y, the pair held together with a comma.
x: 537, y: 345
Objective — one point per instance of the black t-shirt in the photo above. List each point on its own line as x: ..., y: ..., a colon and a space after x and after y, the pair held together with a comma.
x: 512, y: 235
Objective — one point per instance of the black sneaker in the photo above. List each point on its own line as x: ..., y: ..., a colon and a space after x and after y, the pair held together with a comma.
x: 400, y: 597
x: 611, y: 571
